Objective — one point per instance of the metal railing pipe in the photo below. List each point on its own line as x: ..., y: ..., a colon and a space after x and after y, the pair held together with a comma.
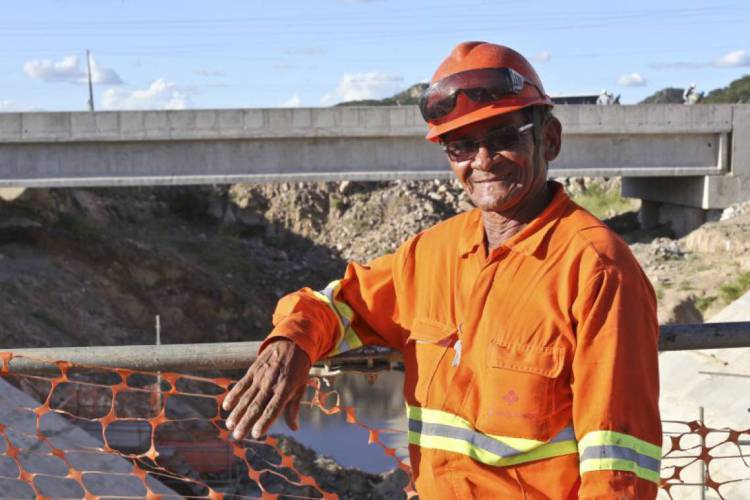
x: 704, y: 336
x: 239, y: 355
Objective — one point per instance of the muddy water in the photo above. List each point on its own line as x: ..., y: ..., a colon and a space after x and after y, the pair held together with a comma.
x: 379, y: 405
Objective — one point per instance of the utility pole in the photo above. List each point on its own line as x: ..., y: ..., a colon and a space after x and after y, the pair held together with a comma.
x: 91, y: 85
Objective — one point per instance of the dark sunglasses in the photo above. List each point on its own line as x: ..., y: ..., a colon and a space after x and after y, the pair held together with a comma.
x: 480, y: 85
x: 500, y: 139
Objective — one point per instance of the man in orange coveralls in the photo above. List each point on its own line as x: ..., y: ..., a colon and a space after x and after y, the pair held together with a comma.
x: 528, y: 330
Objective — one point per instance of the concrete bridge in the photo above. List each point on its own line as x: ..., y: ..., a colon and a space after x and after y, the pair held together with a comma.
x: 684, y: 156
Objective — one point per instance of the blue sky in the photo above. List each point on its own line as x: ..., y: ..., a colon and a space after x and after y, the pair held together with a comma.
x: 221, y: 54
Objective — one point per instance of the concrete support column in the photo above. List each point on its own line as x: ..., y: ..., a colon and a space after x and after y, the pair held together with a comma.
x: 680, y: 219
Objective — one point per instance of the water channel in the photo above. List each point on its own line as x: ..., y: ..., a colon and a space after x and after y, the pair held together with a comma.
x: 379, y: 405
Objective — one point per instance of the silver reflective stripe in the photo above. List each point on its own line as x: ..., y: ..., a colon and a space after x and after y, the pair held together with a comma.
x: 621, y: 452
x: 478, y: 439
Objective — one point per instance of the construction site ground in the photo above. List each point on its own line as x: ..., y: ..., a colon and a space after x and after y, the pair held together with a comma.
x: 95, y: 266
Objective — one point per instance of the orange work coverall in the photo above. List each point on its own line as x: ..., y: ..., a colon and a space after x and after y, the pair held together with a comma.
x: 530, y: 372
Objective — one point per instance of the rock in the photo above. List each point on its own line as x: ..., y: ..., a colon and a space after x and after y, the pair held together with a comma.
x: 730, y: 236
x: 10, y: 194
x: 666, y: 249
x: 249, y: 217
x: 144, y: 277
x: 735, y: 210
x: 346, y: 483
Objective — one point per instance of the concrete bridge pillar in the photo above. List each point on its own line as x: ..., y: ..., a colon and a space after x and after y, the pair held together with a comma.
x: 687, y: 202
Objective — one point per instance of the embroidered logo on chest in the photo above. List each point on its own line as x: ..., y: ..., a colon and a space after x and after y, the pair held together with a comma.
x: 511, y: 397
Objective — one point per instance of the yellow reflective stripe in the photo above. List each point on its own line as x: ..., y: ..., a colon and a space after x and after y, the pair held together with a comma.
x: 611, y: 450
x: 347, y: 338
x: 430, y: 428
x: 598, y: 438
x: 324, y: 299
x: 429, y: 415
x: 486, y: 457
x: 350, y: 342
x: 598, y: 464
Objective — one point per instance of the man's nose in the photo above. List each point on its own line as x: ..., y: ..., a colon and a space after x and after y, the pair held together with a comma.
x: 483, y: 159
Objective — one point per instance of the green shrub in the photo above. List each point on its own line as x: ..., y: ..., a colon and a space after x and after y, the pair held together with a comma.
x: 736, y: 288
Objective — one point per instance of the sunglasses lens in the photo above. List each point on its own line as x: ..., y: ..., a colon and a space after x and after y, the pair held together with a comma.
x: 499, y: 139
x: 461, y: 150
x: 435, y: 106
x: 479, y: 85
x: 503, y: 139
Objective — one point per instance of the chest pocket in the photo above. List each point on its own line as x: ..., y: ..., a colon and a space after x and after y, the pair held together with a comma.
x: 518, y: 386
x: 428, y: 343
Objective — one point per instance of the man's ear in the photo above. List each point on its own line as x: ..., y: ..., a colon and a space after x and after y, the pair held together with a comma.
x: 552, y: 138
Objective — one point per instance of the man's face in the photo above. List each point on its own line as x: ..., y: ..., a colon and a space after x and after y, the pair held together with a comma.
x: 499, y: 181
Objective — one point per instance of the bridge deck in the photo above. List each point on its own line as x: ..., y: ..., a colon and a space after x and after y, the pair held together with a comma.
x: 316, y: 144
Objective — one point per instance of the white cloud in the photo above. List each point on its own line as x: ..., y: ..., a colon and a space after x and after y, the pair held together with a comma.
x: 356, y: 86
x: 49, y: 71
x: 159, y: 95
x: 69, y: 69
x: 632, y: 80
x: 542, y: 57
x: 8, y: 106
x: 103, y: 76
x: 292, y: 102
x: 734, y: 59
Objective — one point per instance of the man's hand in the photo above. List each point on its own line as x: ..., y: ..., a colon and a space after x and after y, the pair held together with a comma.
x: 275, y: 381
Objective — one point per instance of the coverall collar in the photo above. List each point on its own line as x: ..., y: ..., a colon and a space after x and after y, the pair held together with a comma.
x: 529, y: 238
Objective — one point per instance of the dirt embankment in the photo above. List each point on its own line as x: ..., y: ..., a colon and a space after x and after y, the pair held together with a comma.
x: 95, y: 266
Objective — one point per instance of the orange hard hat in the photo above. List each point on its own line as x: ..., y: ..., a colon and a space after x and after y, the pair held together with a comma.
x: 464, y: 108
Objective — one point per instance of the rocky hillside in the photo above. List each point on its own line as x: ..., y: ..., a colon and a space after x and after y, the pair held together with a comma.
x: 95, y: 266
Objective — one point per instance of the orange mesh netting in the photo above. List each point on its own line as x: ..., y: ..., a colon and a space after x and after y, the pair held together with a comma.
x: 87, y: 432
x: 695, y: 455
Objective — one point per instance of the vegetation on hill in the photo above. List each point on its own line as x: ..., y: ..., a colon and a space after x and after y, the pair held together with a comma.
x: 669, y: 95
x: 736, y: 92
x: 408, y: 96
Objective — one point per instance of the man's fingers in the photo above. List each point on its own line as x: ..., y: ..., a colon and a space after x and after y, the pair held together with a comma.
x: 291, y: 412
x: 268, y: 386
x: 253, y: 411
x: 269, y: 414
x: 238, y: 389
x: 240, y: 407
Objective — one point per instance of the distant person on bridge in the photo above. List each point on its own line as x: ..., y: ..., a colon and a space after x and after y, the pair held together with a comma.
x: 528, y: 329
x: 607, y: 98
x: 690, y: 96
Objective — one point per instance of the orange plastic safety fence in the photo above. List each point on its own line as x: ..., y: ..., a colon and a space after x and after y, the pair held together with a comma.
x: 93, y: 433
x: 697, y: 456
